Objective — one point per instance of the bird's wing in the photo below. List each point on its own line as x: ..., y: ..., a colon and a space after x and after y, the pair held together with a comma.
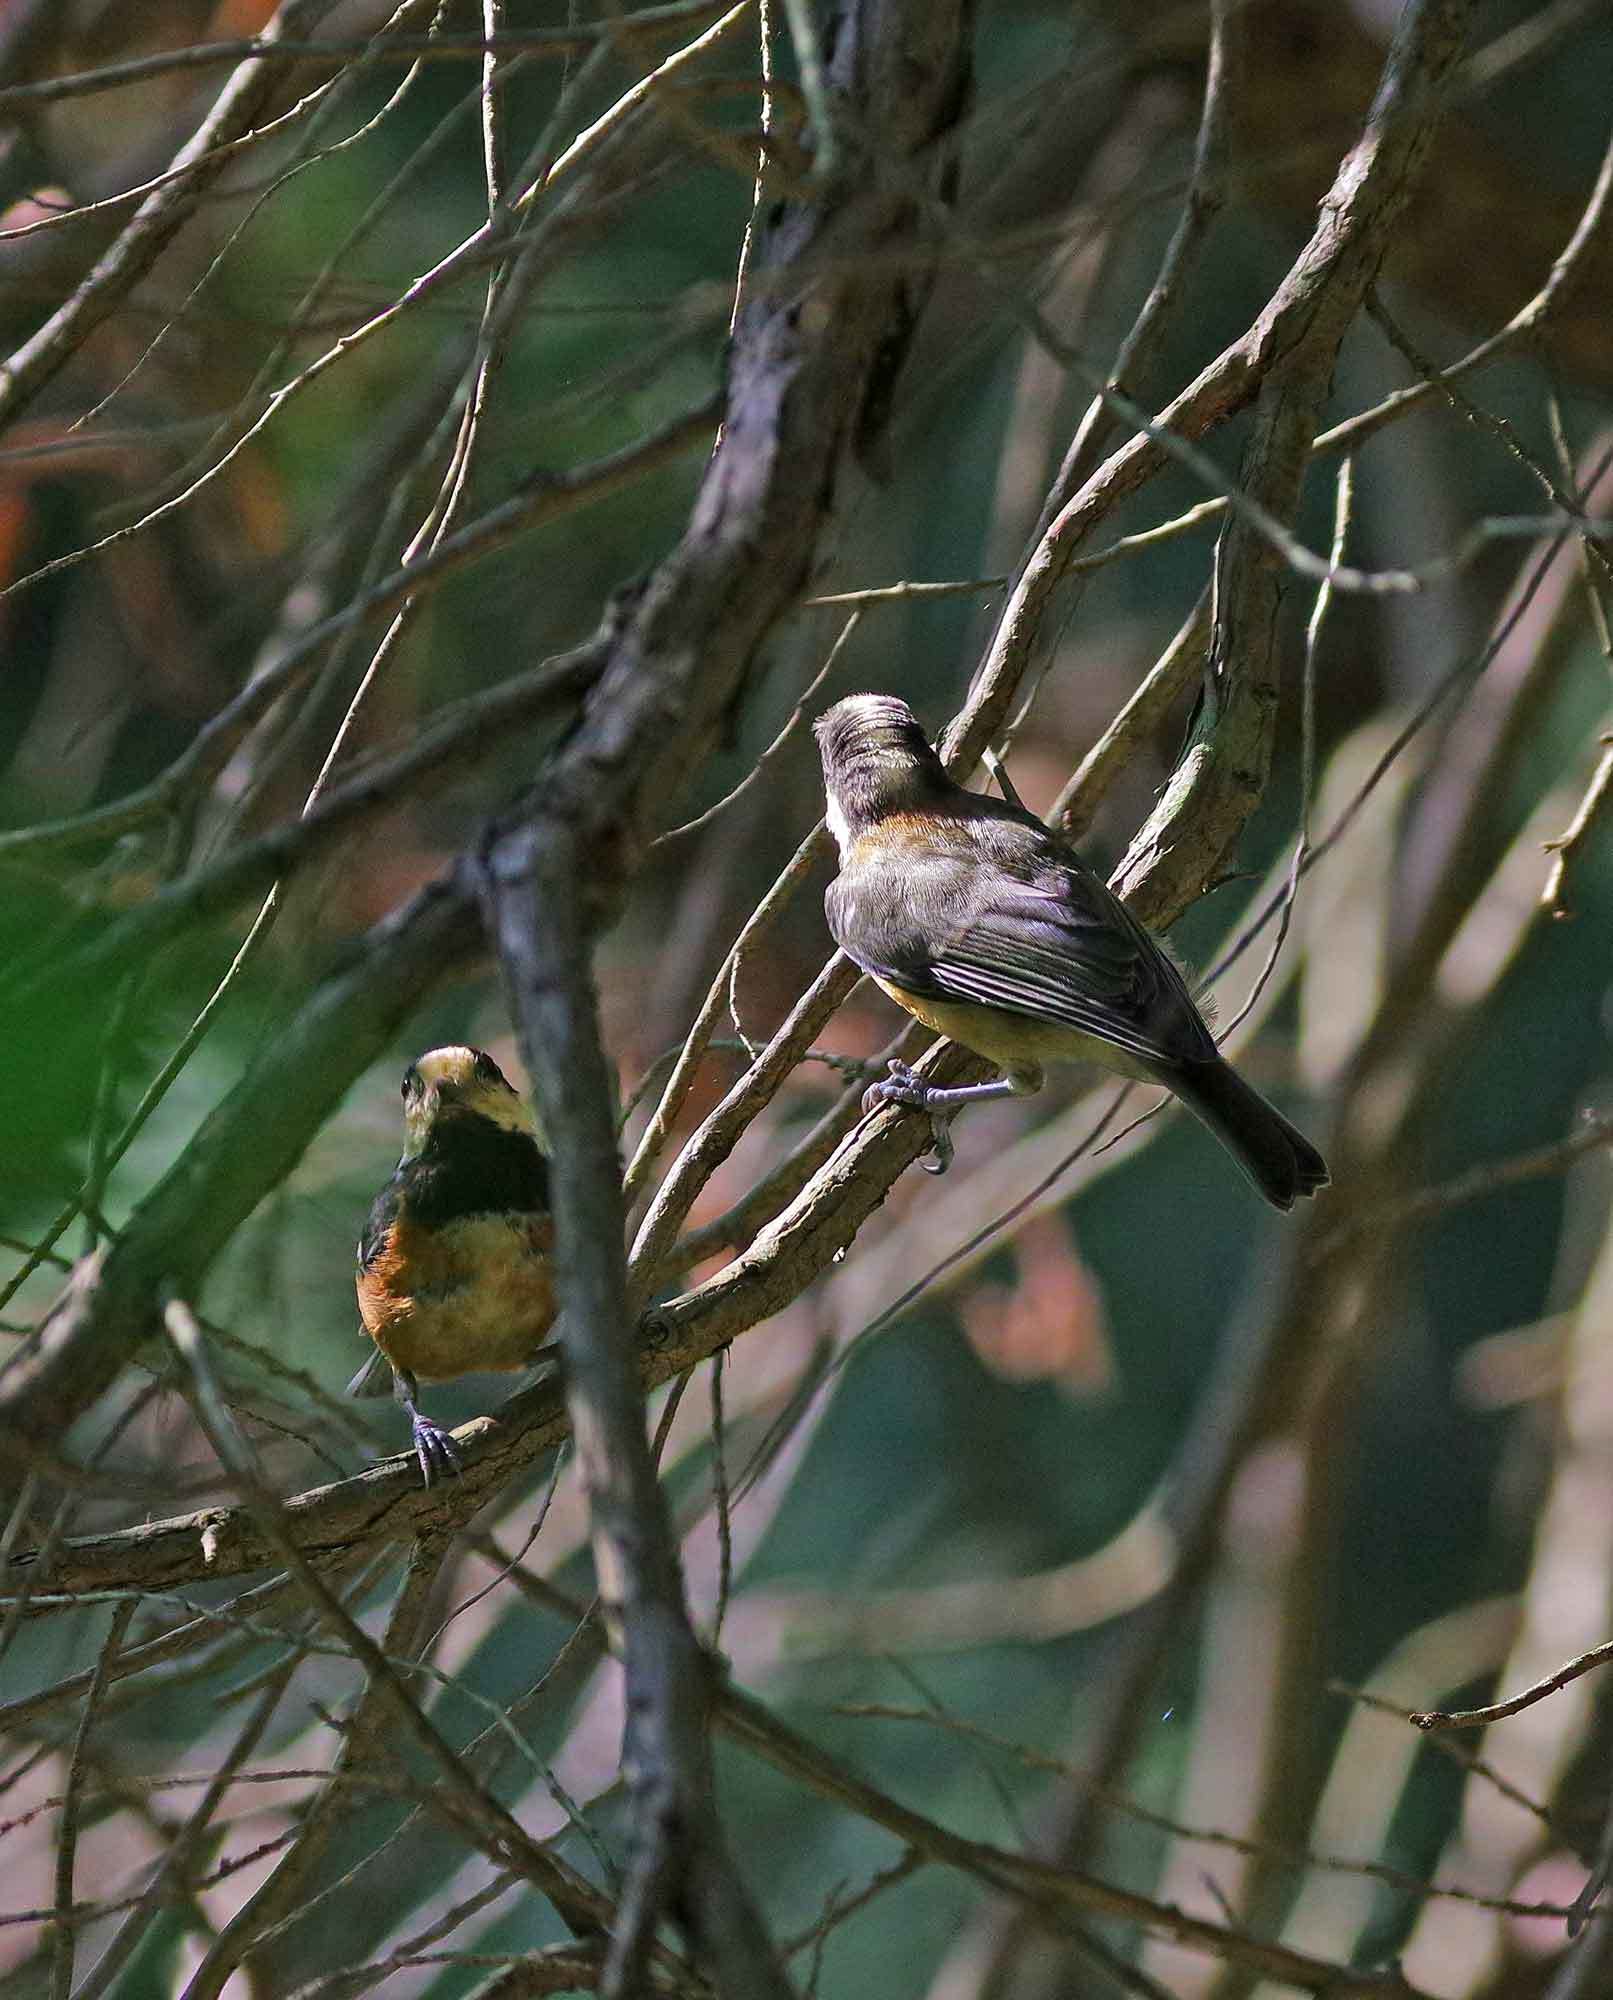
x: 378, y: 1223
x: 1063, y: 949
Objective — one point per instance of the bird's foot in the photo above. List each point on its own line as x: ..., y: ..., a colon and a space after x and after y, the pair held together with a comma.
x: 434, y: 1448
x: 912, y: 1093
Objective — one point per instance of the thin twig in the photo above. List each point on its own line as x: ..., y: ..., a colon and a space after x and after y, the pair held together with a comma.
x: 1476, y: 1184
x: 1597, y: 800
x: 1432, y: 1719
x: 580, y: 39
x: 677, y: 1193
x: 720, y: 1499
x: 154, y: 224
x: 1459, y: 1754
x: 791, y: 724
x: 61, y: 1969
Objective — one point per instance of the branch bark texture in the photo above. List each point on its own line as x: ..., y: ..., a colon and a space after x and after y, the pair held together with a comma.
x: 823, y: 312
x: 1292, y: 349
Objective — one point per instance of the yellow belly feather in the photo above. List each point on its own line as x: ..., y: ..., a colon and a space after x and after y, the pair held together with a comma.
x: 1014, y: 1042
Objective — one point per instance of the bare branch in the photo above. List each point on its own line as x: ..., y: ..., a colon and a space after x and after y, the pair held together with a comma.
x: 1296, y: 339
x: 805, y: 351
x: 155, y: 223
x: 669, y: 18
x: 1433, y: 1719
x: 1597, y: 800
x: 1051, y: 1890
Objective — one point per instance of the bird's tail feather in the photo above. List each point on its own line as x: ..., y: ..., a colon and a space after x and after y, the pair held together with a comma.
x: 1276, y: 1155
x: 373, y: 1379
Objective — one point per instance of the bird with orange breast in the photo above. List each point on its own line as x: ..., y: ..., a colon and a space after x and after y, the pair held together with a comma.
x: 455, y: 1268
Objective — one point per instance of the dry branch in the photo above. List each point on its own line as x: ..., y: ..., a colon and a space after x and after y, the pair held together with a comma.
x: 1049, y: 1892
x: 807, y: 344
x: 1490, y: 224
x: 155, y: 223
x: 1291, y: 349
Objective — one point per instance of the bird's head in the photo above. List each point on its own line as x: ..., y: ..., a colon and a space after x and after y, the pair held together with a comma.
x: 876, y: 761
x: 457, y: 1082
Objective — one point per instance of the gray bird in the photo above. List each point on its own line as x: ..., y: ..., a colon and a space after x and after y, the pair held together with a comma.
x: 987, y: 928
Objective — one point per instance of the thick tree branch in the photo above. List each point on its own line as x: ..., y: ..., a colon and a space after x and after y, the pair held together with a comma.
x: 807, y: 349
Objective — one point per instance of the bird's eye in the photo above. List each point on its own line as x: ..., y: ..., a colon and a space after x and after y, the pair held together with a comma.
x: 487, y: 1071
x: 411, y: 1083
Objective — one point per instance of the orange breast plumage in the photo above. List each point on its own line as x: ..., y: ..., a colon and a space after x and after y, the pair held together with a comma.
x: 454, y: 1269
x: 476, y: 1292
